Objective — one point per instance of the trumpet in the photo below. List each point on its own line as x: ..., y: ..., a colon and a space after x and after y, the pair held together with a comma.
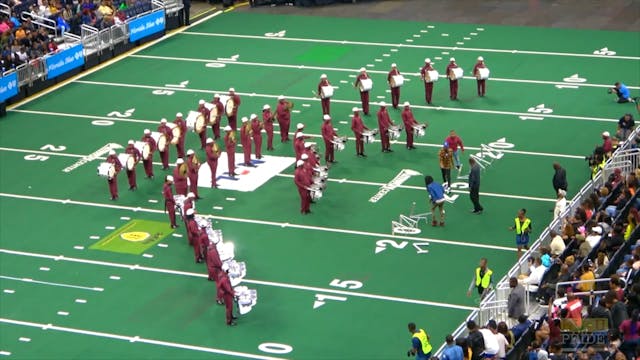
x: 195, y: 161
x: 290, y: 105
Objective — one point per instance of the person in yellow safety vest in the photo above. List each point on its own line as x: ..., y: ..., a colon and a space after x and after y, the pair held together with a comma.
x: 522, y: 227
x: 420, y: 346
x: 481, y: 279
x: 597, y: 167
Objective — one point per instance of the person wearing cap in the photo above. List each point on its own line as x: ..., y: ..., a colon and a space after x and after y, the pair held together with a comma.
x: 233, y: 118
x: 445, y: 156
x: 607, y: 144
x: 193, y: 167
x: 559, y: 180
x: 283, y: 114
x: 256, y: 134
x: 456, y: 145
x: 245, y: 140
x: 148, y: 162
x: 364, y: 95
x: 302, y: 180
x: 325, y: 101
x: 481, y: 83
x: 168, y: 134
x: 193, y: 234
x: 131, y: 174
x: 230, y: 146
x: 522, y: 227
x: 428, y: 85
x: 180, y: 177
x: 188, y: 202
x: 113, y: 181
x: 453, y: 83
x: 179, y: 121
x: 299, y: 128
x: 626, y: 125
x: 437, y: 200
x: 169, y: 202
x: 311, y: 155
x: 384, y: 123
x: 395, y: 91
x: 212, y: 151
x: 267, y: 124
x: 215, y: 122
x: 307, y: 165
x: 622, y: 92
x: 207, y: 116
x: 298, y: 144
x: 226, y: 292
x: 420, y: 346
x: 409, y: 122
x: 357, y: 126
x: 328, y: 133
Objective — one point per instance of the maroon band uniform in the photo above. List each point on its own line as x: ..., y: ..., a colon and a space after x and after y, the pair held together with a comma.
x: 357, y: 126
x: 283, y: 115
x: 384, y: 122
x: 164, y: 155
x: 179, y: 121
x: 453, y: 84
x: 303, y: 181
x: 256, y: 134
x: 193, y: 167
x: 328, y: 133
x: 224, y: 288
x: 428, y: 86
x: 113, y: 182
x: 326, y: 102
x: 245, y: 140
x: 267, y: 123
x: 207, y: 115
x: 364, y: 95
x: 180, y: 177
x: 216, y: 121
x: 169, y: 203
x: 230, y: 147
x: 148, y: 163
x: 233, y: 118
x: 395, y: 91
x: 131, y: 174
x: 481, y: 83
x: 409, y: 121
x: 213, y: 153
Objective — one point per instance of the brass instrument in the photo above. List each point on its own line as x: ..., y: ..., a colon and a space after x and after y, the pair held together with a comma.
x: 195, y: 161
x: 232, y: 136
x: 215, y: 147
x: 183, y: 169
x: 290, y: 105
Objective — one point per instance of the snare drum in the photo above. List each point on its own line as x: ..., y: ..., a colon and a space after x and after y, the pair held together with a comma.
x: 431, y: 76
x: 419, y: 130
x: 483, y: 73
x: 176, y: 132
x: 369, y: 135
x: 127, y: 160
x: 179, y: 201
x: 394, y: 132
x: 366, y: 85
x: 397, y: 81
x: 107, y: 170
x: 339, y: 142
x: 326, y: 91
x: 229, y: 106
x: 144, y: 148
x: 456, y: 73
x: 161, y: 140
x: 316, y: 192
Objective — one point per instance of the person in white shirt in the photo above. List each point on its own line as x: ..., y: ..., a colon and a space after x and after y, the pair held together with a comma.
x: 532, y: 281
x: 594, y: 236
x: 561, y: 203
x: 557, y: 244
x: 491, y: 346
x: 502, y: 341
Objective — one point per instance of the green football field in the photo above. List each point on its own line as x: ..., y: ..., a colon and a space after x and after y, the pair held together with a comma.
x: 335, y: 284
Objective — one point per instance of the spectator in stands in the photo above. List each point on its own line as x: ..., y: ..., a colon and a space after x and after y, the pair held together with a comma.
x: 617, y: 308
x: 632, y: 222
x: 106, y: 12
x: 549, y: 287
x: 561, y: 203
x: 568, y: 232
x: 466, y: 351
x: 475, y: 340
x: 86, y: 5
x: 545, y: 257
x: 630, y: 330
x: 600, y: 311
x: 515, y: 301
x: 574, y: 309
x: 614, y: 240
x: 626, y: 124
x: 491, y: 344
x: 451, y: 351
x: 556, y: 352
x: 536, y: 271
x: 602, y: 261
x: 508, y: 334
x: 594, y: 236
x: 615, y: 286
x: 522, y: 326
x: 588, y: 276
x: 557, y: 245
x: 536, y: 352
x: 584, y: 247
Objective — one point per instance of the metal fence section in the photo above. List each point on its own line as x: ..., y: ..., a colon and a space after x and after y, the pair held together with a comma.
x: 171, y: 7
x: 626, y: 160
x: 41, y: 21
x: 90, y: 39
x: 31, y: 71
x: 119, y: 34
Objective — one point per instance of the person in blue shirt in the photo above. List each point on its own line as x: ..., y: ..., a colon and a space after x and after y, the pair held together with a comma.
x: 436, y: 194
x: 623, y: 93
x: 521, y: 327
x: 420, y: 346
x: 451, y: 351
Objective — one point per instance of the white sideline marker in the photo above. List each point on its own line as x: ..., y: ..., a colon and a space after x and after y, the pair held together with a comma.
x: 5, y: 353
x: 153, y: 201
x: 438, y: 58
x: 445, y: 53
x: 459, y: 43
x: 443, y: 34
x: 218, y: 208
x: 343, y: 122
x: 409, y: 40
x: 163, y: 245
x: 110, y: 227
x: 114, y: 277
x: 176, y: 235
x: 480, y: 29
x: 430, y: 26
x: 230, y: 199
x: 424, y: 31
x: 9, y: 291
x: 466, y: 38
x: 386, y: 55
x: 473, y: 34
x: 381, y: 96
x: 94, y: 237
x: 344, y: 82
x: 63, y: 313
x: 394, y: 50
x: 309, y: 105
x: 81, y: 301
x: 417, y: 35
x: 44, y: 268
x: 24, y: 339
x: 125, y: 218
x: 149, y: 256
x: 78, y: 247
x: 370, y: 65
x: 351, y: 76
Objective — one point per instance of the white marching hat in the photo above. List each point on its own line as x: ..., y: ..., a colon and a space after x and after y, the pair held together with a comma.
x: 130, y: 142
x: 232, y: 90
x: 245, y: 119
x: 190, y: 212
x: 281, y: 97
x: 299, y: 163
x: 480, y: 58
x: 216, y: 95
x: 427, y: 60
x: 382, y: 103
x: 326, y: 117
x: 355, y: 109
x: 606, y: 133
x: 299, y: 135
x: 179, y: 114
x: 180, y: 161
x: 308, y: 144
x: 169, y: 178
x: 209, y: 140
x: 163, y: 121
x: 300, y: 126
x: 253, y: 116
x: 190, y: 152
x: 266, y: 107
x: 304, y: 156
x: 452, y: 59
x: 406, y: 103
x: 112, y: 152
x: 147, y: 131
x: 323, y: 76
x: 227, y: 128
x: 393, y: 65
x: 201, y: 102
x: 362, y: 69
x: 191, y: 195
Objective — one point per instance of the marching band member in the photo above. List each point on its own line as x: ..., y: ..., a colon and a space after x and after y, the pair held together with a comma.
x: 283, y: 113
x: 169, y: 202
x: 179, y: 121
x: 245, y: 140
x: 230, y: 146
x: 298, y: 145
x: 428, y: 86
x: 216, y: 122
x: 357, y: 126
x: 188, y: 202
x: 256, y: 134
x: 193, y: 234
x: 203, y: 243
x: 233, y: 118
x: 299, y: 128
x: 311, y: 155
x: 364, y: 95
x: 148, y: 163
x: 307, y: 166
x: 131, y: 174
x: 164, y: 155
x: 453, y: 84
x: 207, y: 114
x: 213, y: 153
x: 326, y: 102
x: 193, y: 166
x: 481, y: 83
x: 409, y: 121
x: 180, y: 177
x: 214, y: 264
x: 395, y: 91
x: 303, y: 181
x: 328, y: 133
x: 113, y: 182
x: 267, y: 123
x: 226, y: 291
x: 384, y: 122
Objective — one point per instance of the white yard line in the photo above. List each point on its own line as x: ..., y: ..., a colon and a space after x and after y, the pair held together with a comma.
x: 31, y: 281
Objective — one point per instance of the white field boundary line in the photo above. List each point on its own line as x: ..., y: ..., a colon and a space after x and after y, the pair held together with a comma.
x: 135, y: 339
x: 110, y: 62
x: 262, y: 222
x: 32, y: 281
x: 301, y: 98
x: 402, y: 45
x: 354, y: 71
x: 248, y: 281
x: 358, y: 182
x: 93, y: 117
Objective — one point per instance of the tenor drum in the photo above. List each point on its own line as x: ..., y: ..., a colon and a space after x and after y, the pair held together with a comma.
x: 394, y: 132
x: 339, y: 142
x: 483, y: 73
x: 456, y: 73
x: 316, y: 192
x: 419, y: 130
x: 107, y: 169
x: 144, y: 148
x: 179, y: 201
x: 366, y: 84
x: 127, y: 160
x: 176, y: 132
x: 326, y: 91
x: 247, y: 298
x: 161, y: 140
x: 397, y: 81
x: 369, y: 135
x: 229, y: 106
x: 431, y: 76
